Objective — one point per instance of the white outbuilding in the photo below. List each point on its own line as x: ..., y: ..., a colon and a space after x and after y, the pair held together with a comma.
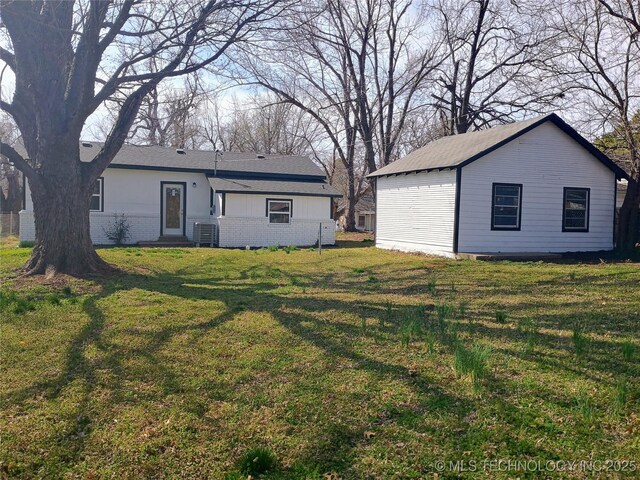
x: 535, y: 186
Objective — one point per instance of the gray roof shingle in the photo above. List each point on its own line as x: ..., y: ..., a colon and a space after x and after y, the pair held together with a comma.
x: 168, y: 158
x: 457, y: 150
x: 277, y: 187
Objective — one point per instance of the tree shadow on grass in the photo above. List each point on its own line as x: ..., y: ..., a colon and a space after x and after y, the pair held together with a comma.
x: 256, y: 290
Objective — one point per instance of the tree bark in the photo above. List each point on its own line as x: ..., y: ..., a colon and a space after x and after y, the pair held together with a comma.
x: 63, y: 239
x: 350, y: 224
x: 629, y: 219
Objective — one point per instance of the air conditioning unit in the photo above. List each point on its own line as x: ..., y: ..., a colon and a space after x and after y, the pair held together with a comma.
x: 205, y: 234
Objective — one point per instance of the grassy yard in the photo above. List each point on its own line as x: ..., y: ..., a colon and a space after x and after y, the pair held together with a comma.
x: 355, y: 364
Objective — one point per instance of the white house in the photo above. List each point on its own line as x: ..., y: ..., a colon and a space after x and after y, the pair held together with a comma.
x: 254, y: 200
x: 534, y: 186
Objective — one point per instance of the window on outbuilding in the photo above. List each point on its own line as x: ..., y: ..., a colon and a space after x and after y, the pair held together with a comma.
x: 506, y: 207
x: 279, y: 211
x: 97, y: 196
x: 575, y: 212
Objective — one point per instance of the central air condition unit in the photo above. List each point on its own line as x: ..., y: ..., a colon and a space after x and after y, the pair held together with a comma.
x: 205, y: 234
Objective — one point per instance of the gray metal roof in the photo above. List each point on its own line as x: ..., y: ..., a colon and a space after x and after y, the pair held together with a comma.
x: 276, y: 187
x: 458, y: 150
x: 167, y: 158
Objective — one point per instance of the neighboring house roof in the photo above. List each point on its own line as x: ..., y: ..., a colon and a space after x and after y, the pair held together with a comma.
x: 276, y: 187
x: 366, y: 203
x: 459, y: 150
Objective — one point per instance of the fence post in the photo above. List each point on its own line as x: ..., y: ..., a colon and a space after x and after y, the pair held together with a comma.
x: 320, y: 239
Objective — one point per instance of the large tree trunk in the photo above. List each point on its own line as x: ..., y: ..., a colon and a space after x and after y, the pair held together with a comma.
x: 63, y: 241
x: 628, y: 222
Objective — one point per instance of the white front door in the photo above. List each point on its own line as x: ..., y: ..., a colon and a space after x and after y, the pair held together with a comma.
x: 172, y: 209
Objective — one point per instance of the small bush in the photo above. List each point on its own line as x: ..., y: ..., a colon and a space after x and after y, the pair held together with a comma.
x: 273, y: 248
x: 257, y: 461
x: 628, y: 350
x: 67, y: 291
x: 290, y: 248
x: 501, y: 316
x: 26, y: 244
x: 119, y: 230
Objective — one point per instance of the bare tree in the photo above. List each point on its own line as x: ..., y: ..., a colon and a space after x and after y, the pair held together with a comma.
x: 168, y: 116
x: 599, y: 60
x: 68, y: 58
x: 11, y: 188
x: 492, y: 70
x: 356, y: 68
x: 322, y: 88
x: 624, y: 10
x: 261, y: 123
x: 389, y: 58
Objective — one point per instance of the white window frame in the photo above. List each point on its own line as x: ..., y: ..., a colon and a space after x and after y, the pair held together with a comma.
x: 585, y: 226
x: 495, y: 205
x: 100, y: 196
x: 279, y: 200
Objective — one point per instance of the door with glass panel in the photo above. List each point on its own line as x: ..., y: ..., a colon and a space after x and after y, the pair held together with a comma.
x: 173, y: 208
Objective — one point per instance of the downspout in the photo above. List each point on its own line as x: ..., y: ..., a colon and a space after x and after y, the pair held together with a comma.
x: 456, y: 215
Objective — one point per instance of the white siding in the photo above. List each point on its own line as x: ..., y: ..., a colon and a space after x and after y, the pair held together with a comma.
x: 415, y: 212
x: 244, y: 205
x: 136, y: 193
x: 544, y: 161
x: 245, y: 222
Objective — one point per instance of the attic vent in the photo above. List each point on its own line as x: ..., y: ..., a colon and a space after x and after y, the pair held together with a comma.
x: 260, y: 155
x: 180, y: 151
x: 87, y: 144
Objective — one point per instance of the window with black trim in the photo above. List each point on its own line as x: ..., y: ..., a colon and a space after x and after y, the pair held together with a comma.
x: 506, y: 206
x: 279, y: 211
x: 97, y: 196
x: 575, y: 212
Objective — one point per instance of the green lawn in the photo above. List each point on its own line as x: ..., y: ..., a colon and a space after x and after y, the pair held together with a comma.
x: 359, y: 363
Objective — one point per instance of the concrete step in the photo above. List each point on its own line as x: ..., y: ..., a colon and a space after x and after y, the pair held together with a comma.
x: 168, y: 241
x: 173, y: 239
